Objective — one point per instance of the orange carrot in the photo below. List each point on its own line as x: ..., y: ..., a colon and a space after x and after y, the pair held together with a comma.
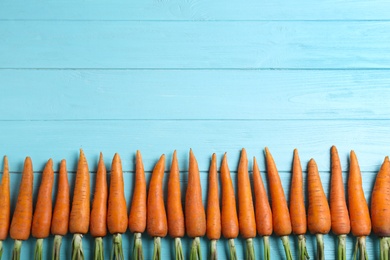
x: 213, y: 223
x: 263, y: 212
x: 98, y: 224
x: 246, y: 212
x: 280, y: 214
x: 358, y: 208
x: 60, y: 218
x: 22, y: 218
x: 176, y: 228
x: 137, y: 216
x: 157, y: 225
x: 80, y: 212
x: 338, y: 207
x: 318, y: 216
x: 380, y: 204
x: 195, y: 216
x: 5, y: 205
x: 43, y: 209
x: 229, y: 219
x: 117, y: 211
x: 297, y: 207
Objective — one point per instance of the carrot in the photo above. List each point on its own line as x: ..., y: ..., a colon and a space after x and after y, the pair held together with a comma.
x: 280, y: 214
x: 43, y: 209
x: 297, y: 207
x: 22, y: 218
x: 117, y: 221
x: 338, y: 207
x: 358, y: 208
x: 60, y: 218
x: 195, y: 216
x: 380, y: 204
x: 318, y: 213
x: 213, y: 223
x: 246, y: 212
x: 137, y: 216
x: 80, y: 212
x: 176, y: 228
x: 5, y: 205
x: 157, y: 225
x: 98, y: 224
x: 263, y: 212
x: 229, y: 219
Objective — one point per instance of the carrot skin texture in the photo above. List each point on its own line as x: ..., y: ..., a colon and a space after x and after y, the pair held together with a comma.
x: 213, y: 223
x: 358, y: 208
x: 116, y: 211
x: 43, y: 208
x: 22, y: 217
x: 98, y: 223
x: 157, y: 224
x: 338, y: 207
x: 138, y: 209
x: 195, y: 215
x: 246, y: 212
x: 176, y: 225
x: 80, y: 212
x: 60, y: 218
x: 5, y: 201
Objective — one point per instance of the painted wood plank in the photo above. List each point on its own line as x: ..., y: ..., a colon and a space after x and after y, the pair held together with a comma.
x: 62, y: 139
x: 193, y: 94
x: 223, y: 45
x: 195, y: 10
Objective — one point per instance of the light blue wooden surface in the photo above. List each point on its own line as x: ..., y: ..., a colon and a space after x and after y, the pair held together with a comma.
x: 117, y: 76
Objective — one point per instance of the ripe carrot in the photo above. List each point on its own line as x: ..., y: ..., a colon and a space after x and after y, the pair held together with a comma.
x: 229, y: 219
x: 175, y: 214
x: 195, y: 216
x: 246, y: 212
x: 137, y: 216
x: 43, y: 209
x: 60, y: 218
x: 263, y: 212
x: 297, y: 207
x: 117, y: 221
x: 358, y: 208
x: 5, y: 205
x: 213, y: 223
x: 157, y: 225
x: 380, y: 203
x: 80, y: 212
x: 280, y: 214
x: 22, y: 218
x: 318, y: 213
x: 98, y: 224
x: 338, y: 206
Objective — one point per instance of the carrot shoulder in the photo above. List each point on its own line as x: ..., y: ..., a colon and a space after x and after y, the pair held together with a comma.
x: 5, y: 202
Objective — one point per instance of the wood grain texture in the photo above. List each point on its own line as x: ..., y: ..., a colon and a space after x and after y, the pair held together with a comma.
x: 196, y: 45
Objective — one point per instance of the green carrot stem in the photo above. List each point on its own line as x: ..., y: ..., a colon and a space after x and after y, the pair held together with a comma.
x: 360, y: 249
x: 99, y: 252
x: 77, y: 247
x: 57, y: 247
x: 38, y: 249
x: 250, y: 250
x: 384, y: 248
x: 157, y: 248
x: 213, y: 250
x: 178, y: 249
x: 320, y: 247
x: 302, y: 250
x: 16, y: 250
x: 341, y: 248
x: 232, y: 248
x: 137, y: 249
x: 286, y: 245
x: 1, y: 249
x: 195, y: 253
x: 117, y: 250
x: 267, y: 248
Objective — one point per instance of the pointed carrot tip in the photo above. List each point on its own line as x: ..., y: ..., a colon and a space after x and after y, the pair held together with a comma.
x: 174, y: 154
x: 254, y: 161
x: 28, y: 159
x: 386, y: 158
x: 50, y: 161
x: 5, y: 159
x: 213, y: 157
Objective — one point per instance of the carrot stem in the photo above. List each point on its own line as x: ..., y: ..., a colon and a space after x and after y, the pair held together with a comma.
x: 213, y: 249
x: 267, y: 248
x: 157, y: 248
x: 320, y: 247
x: 286, y: 245
x: 16, y: 250
x: 38, y: 249
x: 77, y: 247
x: 99, y: 252
x: 137, y: 249
x: 232, y: 248
x: 195, y: 250
x: 360, y: 249
x: 117, y: 250
x: 250, y: 250
x: 178, y: 249
x: 341, y: 249
x: 302, y: 250
x: 1, y: 249
x: 384, y: 248
x: 57, y: 247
